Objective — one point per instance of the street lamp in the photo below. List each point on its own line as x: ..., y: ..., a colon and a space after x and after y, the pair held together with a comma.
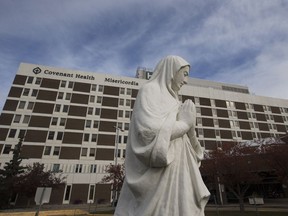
x: 116, y: 157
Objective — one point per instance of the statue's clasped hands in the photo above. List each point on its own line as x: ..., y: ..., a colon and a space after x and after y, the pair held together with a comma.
x: 187, y: 114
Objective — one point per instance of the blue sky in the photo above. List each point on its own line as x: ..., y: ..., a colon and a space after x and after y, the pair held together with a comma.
x: 236, y: 41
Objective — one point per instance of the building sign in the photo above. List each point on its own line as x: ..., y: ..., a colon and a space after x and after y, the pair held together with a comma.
x: 120, y: 81
x: 38, y: 70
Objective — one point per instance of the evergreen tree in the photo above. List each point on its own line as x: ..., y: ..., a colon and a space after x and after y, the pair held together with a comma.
x: 10, y: 174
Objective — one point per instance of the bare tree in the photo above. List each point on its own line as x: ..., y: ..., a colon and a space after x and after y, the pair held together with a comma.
x: 236, y: 168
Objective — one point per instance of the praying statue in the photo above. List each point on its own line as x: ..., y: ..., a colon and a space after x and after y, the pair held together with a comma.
x: 163, y: 154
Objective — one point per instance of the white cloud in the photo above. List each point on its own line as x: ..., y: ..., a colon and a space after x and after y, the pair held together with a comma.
x: 227, y: 40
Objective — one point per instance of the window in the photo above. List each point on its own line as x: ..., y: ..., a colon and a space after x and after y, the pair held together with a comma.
x: 128, y: 102
x: 92, y: 152
x: 200, y: 131
x: 239, y: 134
x: 7, y: 149
x: 22, y: 134
x: 217, y: 133
x: 67, y: 192
x: 93, y: 168
x: 47, y: 150
x: 56, y: 150
x: 125, y: 139
x: 215, y: 121
x: 12, y: 133
x: 70, y: 85
x: 54, y: 121
x: 97, y: 111
x: 100, y: 88
x: 90, y: 111
x: 26, y: 119
x: 129, y: 91
x: 199, y: 121
x: 26, y: 92
x: 121, y: 102
x: 59, y: 136
x: 56, y: 168
x: 120, y: 125
x: 21, y: 105
x: 30, y: 79
x: 86, y: 137
x: 65, y: 108
x: 120, y: 113
x: 34, y: 93
x: 92, y: 99
x: 126, y: 126
x: 88, y: 124
x: 78, y: 168
x: 99, y: 99
x: 118, y: 153
x: 60, y: 95
x: 91, y: 192
x: 127, y: 114
x: 38, y: 81
x: 63, y: 83
x: 57, y: 108
x: 93, y: 87
x: 84, y: 152
x: 236, y: 123
x: 124, y: 153
x: 62, y: 121
x: 198, y: 110
x: 94, y: 138
x: 17, y: 118
x: 95, y: 124
x: 30, y: 105
x: 51, y: 135
x: 68, y: 96
x: 122, y: 90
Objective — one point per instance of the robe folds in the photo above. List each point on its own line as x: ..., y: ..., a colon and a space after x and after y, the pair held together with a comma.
x: 162, y: 175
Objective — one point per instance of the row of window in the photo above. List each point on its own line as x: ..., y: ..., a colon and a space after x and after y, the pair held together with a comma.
x: 235, y: 123
x: 231, y: 104
x: 70, y: 85
x: 233, y: 114
x: 57, y: 121
x: 235, y: 134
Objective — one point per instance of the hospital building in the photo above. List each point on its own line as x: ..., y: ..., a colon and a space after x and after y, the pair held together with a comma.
x: 78, y: 122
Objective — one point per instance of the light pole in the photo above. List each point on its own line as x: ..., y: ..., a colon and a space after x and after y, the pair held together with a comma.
x: 116, y: 157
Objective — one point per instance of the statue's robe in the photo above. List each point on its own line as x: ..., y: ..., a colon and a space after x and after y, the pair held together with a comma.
x: 162, y: 175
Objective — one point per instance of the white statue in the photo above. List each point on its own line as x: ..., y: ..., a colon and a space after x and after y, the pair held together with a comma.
x: 163, y: 154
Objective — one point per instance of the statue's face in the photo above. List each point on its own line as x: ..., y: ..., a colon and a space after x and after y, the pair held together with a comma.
x: 180, y: 78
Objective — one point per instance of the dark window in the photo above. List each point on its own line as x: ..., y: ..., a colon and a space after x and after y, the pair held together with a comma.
x: 7, y: 149
x: 12, y: 133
